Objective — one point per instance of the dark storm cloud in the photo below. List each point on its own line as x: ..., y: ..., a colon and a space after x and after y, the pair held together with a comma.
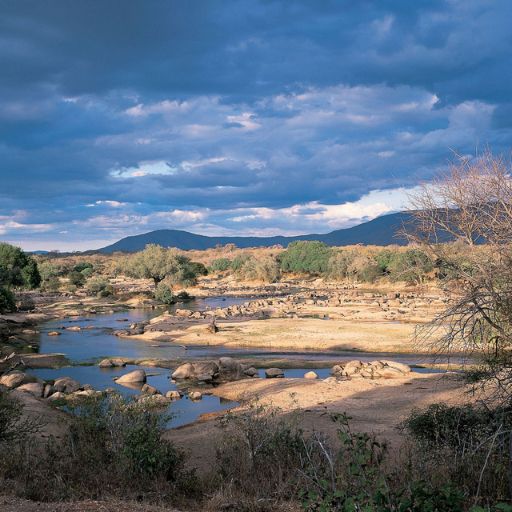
x: 118, y: 117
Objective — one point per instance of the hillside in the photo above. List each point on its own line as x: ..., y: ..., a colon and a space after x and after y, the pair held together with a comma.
x: 380, y: 231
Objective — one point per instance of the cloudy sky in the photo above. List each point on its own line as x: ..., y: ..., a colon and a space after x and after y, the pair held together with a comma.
x: 238, y: 116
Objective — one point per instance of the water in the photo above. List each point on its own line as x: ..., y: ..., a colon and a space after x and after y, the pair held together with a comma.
x: 96, y: 341
x: 182, y: 411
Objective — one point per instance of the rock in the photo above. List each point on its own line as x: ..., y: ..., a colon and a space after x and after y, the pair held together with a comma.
x: 57, y: 396
x: 54, y: 333
x: 136, y: 376
x: 397, y: 366
x: 150, y: 390
x: 154, y: 400
x: 310, y: 375
x: 274, y: 373
x: 48, y: 390
x: 66, y: 385
x: 173, y: 395
x: 353, y: 367
x: 251, y: 372
x: 13, y: 379
x: 390, y: 373
x: 34, y: 388
x: 199, y: 370
x: 112, y: 363
x: 183, y: 313
x: 74, y: 328
x: 195, y: 395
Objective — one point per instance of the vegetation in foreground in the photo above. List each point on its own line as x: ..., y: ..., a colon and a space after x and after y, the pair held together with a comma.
x: 454, y: 460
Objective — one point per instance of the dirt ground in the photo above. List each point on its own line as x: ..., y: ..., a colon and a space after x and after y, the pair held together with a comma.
x: 375, y: 406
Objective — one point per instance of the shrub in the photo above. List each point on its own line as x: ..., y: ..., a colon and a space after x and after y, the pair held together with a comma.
x: 17, y: 268
x: 114, y: 447
x: 411, y: 266
x: 76, y: 278
x: 7, y: 302
x: 264, y: 269
x: 198, y: 268
x: 163, y: 294
x: 305, y: 257
x: 220, y: 265
x: 99, y: 286
x: 239, y: 261
x: 339, y: 263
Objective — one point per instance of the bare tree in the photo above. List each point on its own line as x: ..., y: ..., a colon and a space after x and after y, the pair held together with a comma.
x: 464, y: 219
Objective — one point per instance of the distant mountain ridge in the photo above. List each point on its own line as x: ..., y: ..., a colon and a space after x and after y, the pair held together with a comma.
x: 380, y: 231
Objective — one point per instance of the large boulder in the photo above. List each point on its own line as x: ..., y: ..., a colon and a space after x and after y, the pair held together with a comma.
x: 274, y: 373
x: 13, y: 379
x: 135, y: 377
x: 403, y: 368
x: 201, y: 370
x: 66, y: 385
x: 34, y: 388
x: 311, y: 375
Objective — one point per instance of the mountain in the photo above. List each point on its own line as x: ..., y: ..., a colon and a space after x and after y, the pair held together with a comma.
x: 380, y: 231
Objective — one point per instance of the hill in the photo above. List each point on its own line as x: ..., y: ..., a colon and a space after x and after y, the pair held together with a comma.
x: 380, y: 231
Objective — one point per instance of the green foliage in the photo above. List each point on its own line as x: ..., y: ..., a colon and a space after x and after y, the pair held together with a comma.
x: 17, y: 269
x: 157, y: 263
x: 410, y: 266
x: 76, y: 278
x: 220, y: 265
x: 198, y: 268
x: 163, y: 294
x: 7, y: 302
x: 85, y: 267
x: 113, y: 447
x: 239, y: 261
x: 306, y: 257
x: 99, y: 286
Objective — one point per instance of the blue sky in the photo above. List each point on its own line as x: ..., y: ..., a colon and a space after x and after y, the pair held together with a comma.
x: 238, y: 116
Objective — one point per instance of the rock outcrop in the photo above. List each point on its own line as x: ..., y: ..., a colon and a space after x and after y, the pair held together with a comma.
x: 224, y: 370
x: 381, y: 369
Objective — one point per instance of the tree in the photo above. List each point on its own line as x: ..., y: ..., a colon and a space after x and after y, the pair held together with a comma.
x: 17, y: 269
x: 464, y: 220
x: 157, y: 263
x: 304, y: 256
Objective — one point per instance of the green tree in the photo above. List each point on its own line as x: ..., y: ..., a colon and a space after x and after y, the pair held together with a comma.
x: 157, y: 263
x: 17, y: 269
x: 304, y: 256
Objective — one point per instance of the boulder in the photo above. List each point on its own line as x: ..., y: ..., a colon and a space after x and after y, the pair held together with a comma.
x: 310, y: 375
x: 112, y: 363
x: 34, y: 388
x: 403, y: 368
x: 251, y: 372
x: 57, y: 396
x: 150, y: 390
x: 137, y: 376
x: 13, y: 379
x: 54, y: 333
x: 66, y: 385
x: 48, y: 390
x: 195, y: 395
x: 353, y: 367
x: 199, y: 370
x: 274, y: 373
x: 173, y: 395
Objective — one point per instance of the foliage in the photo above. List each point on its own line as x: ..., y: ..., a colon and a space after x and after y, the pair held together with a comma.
x: 157, y: 263
x: 17, y: 269
x: 220, y: 265
x: 113, y: 447
x: 76, y: 278
x: 305, y: 257
x: 7, y: 302
x: 99, y: 286
x: 163, y: 294
x: 13, y: 427
x: 198, y: 269
x: 410, y: 266
x: 265, y: 268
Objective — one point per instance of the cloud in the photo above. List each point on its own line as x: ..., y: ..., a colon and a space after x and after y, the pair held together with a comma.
x: 232, y: 112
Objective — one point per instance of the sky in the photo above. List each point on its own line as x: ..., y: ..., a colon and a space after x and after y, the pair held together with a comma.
x: 238, y: 117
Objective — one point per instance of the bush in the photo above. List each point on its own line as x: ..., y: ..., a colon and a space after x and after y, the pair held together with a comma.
x: 7, y: 302
x: 239, y: 261
x: 198, y: 268
x: 306, y: 257
x: 264, y: 269
x: 17, y: 268
x: 163, y: 294
x: 411, y: 266
x: 76, y: 278
x: 114, y: 448
x: 99, y: 286
x: 220, y: 265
